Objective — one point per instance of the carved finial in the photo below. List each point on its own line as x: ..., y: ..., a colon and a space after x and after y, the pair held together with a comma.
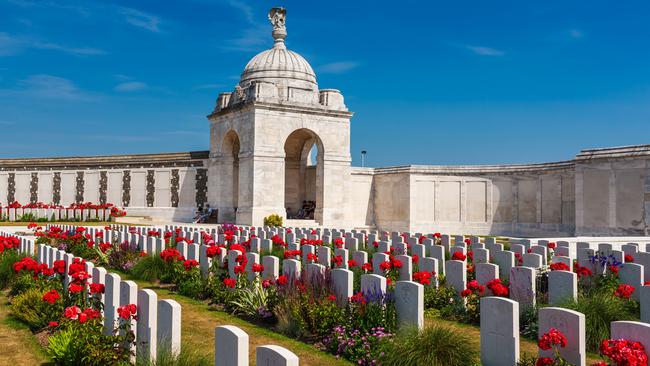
x: 277, y: 16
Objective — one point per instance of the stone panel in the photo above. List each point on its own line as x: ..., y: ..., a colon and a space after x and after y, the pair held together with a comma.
x: 68, y: 187
x: 45, y: 185
x: 502, y: 200
x: 527, y: 201
x: 22, y: 181
x: 449, y: 201
x: 162, y: 188
x: 551, y: 199
x: 424, y: 202
x: 629, y: 199
x: 595, y: 190
x: 114, y: 191
x: 138, y: 189
x: 91, y: 187
x: 476, y: 207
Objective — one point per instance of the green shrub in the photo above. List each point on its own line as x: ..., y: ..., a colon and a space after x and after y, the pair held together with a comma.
x: 7, y: 273
x: 434, y: 346
x: 187, y: 357
x: 84, y: 344
x: 253, y: 300
x: 149, y: 268
x: 438, y: 298
x: 600, y: 310
x: 274, y: 220
x: 30, y: 308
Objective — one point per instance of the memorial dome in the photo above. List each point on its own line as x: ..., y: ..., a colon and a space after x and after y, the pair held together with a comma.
x: 279, y: 65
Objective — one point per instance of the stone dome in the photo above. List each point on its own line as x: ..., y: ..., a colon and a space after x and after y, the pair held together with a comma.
x: 279, y: 65
x: 276, y: 64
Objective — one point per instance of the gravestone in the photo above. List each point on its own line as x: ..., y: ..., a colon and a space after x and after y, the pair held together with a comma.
x: 377, y: 260
x: 342, y: 281
x: 147, y: 328
x: 430, y: 265
x: 572, y: 324
x: 562, y: 259
x: 230, y: 346
x: 532, y: 260
x: 456, y: 275
x: 271, y: 267
x: 523, y: 285
x: 169, y: 326
x: 486, y: 272
x: 481, y: 256
x: 633, y: 331
x: 275, y: 356
x: 373, y: 284
x: 562, y: 287
x: 505, y: 260
x: 406, y: 271
x: 499, y: 331
x: 631, y: 274
x: 112, y: 302
x: 409, y: 304
x: 291, y: 269
x: 438, y: 252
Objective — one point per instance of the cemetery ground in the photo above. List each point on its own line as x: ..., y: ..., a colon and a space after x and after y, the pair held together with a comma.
x: 287, y: 290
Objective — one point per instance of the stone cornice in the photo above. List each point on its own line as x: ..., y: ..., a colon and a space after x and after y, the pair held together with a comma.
x: 622, y: 152
x: 471, y: 169
x: 192, y: 158
x: 283, y: 107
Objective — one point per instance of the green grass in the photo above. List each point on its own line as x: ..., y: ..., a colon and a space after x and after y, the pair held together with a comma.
x: 434, y: 346
x: 199, y: 321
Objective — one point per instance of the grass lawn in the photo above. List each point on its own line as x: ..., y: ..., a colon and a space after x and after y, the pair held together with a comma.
x: 199, y: 321
x: 19, y: 346
x: 526, y: 346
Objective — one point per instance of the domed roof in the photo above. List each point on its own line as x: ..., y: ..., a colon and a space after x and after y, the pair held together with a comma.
x: 279, y: 65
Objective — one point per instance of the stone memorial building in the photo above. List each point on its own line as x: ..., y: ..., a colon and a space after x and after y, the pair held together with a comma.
x: 278, y: 140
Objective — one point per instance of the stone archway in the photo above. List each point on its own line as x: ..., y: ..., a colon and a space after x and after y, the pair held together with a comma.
x: 230, y: 157
x: 303, y: 174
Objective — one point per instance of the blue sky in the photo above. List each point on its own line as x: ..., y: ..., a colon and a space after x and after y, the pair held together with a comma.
x: 430, y: 82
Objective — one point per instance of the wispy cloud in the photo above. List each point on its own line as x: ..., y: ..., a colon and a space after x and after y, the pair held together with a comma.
x: 245, y: 9
x: 576, y: 33
x: 250, y: 40
x: 43, y: 86
x: 141, y: 19
x: 184, y: 133
x: 338, y: 67
x: 208, y: 86
x: 131, y: 86
x: 484, y: 51
x: 11, y: 45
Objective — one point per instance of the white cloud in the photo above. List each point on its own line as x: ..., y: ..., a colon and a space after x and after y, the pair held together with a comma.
x: 338, y: 67
x: 81, y: 51
x: 130, y: 86
x: 48, y: 87
x: 12, y: 45
x: 9, y: 46
x: 576, y: 33
x: 208, y: 86
x: 141, y: 19
x: 245, y: 9
x: 484, y: 51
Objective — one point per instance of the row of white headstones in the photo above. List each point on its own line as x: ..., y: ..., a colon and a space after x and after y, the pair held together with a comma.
x: 158, y: 326
x: 13, y: 214
x: 409, y: 295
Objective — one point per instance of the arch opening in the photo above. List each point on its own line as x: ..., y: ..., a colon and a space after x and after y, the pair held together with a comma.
x: 303, y: 173
x: 230, y: 150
